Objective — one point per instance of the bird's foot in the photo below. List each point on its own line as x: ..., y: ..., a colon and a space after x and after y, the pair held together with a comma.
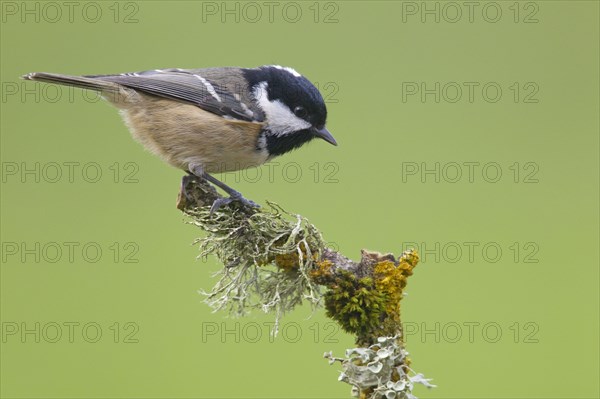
x: 198, y: 171
x: 184, y: 198
x: 235, y: 196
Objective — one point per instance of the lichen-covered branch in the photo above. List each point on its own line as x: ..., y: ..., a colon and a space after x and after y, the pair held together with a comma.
x: 274, y: 260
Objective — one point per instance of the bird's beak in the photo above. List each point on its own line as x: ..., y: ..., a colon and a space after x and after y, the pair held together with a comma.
x: 325, y: 135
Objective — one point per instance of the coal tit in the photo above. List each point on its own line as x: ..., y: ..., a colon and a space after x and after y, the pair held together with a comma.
x: 214, y: 119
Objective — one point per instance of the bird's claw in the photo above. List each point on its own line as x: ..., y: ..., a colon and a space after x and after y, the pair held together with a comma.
x: 237, y: 197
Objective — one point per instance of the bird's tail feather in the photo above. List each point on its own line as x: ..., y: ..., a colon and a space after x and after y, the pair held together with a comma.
x: 77, y: 81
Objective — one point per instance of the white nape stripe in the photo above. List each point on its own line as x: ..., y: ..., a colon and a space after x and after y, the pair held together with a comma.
x: 290, y: 70
x: 209, y: 87
x: 280, y: 119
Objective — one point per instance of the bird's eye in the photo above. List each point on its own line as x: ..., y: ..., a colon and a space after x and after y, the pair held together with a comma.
x: 300, y: 112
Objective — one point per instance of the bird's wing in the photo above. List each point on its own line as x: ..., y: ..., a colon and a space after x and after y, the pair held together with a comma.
x: 190, y: 87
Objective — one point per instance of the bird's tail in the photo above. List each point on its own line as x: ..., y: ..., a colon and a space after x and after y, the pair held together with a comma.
x: 77, y: 81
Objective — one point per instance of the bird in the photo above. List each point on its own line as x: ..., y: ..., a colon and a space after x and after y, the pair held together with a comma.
x: 212, y: 120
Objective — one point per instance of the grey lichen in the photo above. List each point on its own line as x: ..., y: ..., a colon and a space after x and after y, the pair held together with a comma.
x: 267, y: 255
x: 380, y: 369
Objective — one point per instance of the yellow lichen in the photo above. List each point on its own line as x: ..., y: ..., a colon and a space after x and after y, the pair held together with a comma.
x: 390, y: 280
x: 290, y: 261
x: 322, y: 273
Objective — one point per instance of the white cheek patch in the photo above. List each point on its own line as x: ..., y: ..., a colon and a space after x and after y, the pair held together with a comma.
x: 280, y: 119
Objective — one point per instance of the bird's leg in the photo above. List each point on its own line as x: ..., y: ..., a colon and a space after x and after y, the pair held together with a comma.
x: 234, y: 195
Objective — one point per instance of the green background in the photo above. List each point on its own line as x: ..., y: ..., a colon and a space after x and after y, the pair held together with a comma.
x: 543, y: 299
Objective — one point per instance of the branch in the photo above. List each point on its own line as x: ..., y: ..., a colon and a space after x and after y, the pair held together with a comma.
x: 274, y: 260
